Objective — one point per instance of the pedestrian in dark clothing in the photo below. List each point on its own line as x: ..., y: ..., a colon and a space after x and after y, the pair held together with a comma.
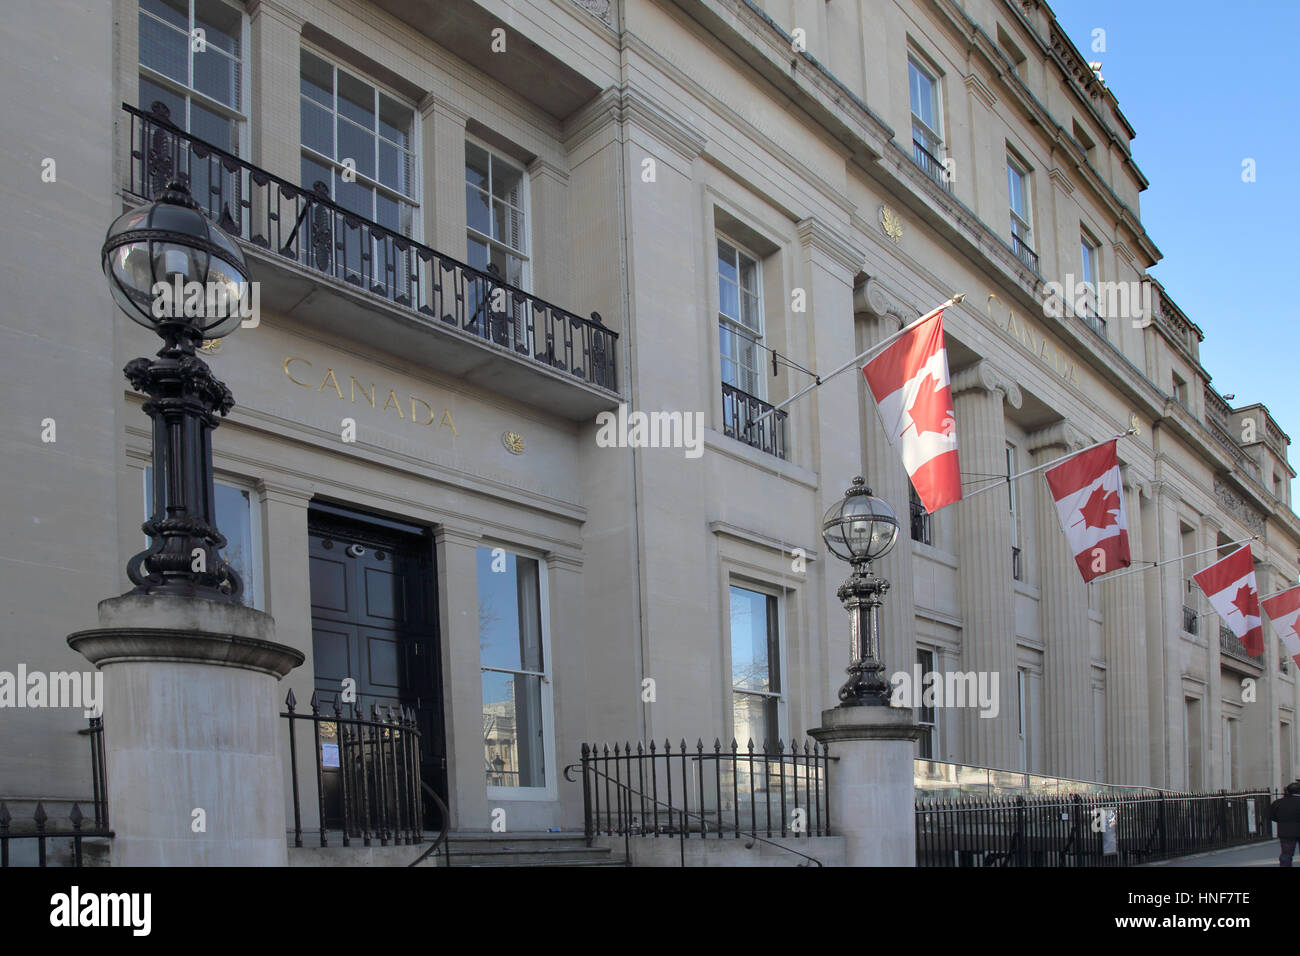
x: 1286, y: 814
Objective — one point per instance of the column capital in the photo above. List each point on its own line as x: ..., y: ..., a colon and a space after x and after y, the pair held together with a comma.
x: 876, y: 298
x: 433, y: 103
x: 464, y: 537
x: 1060, y: 435
x: 990, y: 378
x: 258, y: 7
x: 815, y: 234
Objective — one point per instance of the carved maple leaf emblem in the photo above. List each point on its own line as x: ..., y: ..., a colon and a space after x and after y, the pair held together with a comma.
x: 931, y: 410
x: 1246, y: 601
x: 1101, y: 509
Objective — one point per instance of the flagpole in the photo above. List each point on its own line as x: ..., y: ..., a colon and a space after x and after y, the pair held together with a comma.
x: 879, y: 346
x: 1181, y: 557
x: 1047, y: 464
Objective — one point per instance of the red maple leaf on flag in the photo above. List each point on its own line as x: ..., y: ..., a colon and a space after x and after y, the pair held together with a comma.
x: 931, y: 410
x: 1097, y: 511
x: 1246, y: 601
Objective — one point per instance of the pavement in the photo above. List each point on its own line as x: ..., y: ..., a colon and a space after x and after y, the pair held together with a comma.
x: 1254, y: 854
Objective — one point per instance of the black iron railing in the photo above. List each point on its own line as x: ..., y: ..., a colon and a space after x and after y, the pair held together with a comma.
x: 1231, y: 645
x: 367, y: 772
x: 740, y: 419
x: 306, y: 226
x: 700, y: 794
x: 1024, y: 253
x: 1191, y: 620
x: 924, y: 148
x: 42, y: 831
x: 1092, y: 830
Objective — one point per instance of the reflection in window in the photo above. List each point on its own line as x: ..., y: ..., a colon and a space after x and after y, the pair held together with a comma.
x: 927, y: 743
x: 755, y: 669
x: 513, y: 666
x: 234, y: 519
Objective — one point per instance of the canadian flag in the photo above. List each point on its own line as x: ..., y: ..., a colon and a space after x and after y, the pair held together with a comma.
x: 1284, y: 611
x: 1230, y: 586
x: 913, y: 392
x: 1089, y: 496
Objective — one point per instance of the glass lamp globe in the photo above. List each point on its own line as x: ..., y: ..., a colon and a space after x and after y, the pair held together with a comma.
x: 860, y: 527
x: 167, y: 239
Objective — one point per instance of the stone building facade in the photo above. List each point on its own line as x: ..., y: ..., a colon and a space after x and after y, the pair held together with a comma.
x: 720, y: 181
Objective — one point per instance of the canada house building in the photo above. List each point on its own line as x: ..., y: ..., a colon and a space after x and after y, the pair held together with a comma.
x: 414, y: 482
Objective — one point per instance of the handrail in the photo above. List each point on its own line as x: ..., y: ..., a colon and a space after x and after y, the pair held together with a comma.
x: 685, y: 813
x: 442, y: 837
x: 398, y: 267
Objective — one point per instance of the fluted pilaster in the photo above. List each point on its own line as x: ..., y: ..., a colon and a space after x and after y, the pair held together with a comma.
x: 1124, y: 637
x: 888, y: 479
x: 1063, y: 621
x: 984, y: 572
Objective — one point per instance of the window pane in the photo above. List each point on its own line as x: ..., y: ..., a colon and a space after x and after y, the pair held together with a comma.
x: 748, y: 274
x: 476, y: 166
x: 388, y: 213
x: 921, y: 89
x: 477, y: 255
x: 356, y: 197
x: 477, y: 215
x: 356, y: 100
x: 220, y: 24
x: 213, y: 127
x: 234, y: 519
x: 749, y: 312
x: 728, y: 299
x: 317, y: 80
x: 507, y: 182
x: 727, y: 262
x: 312, y: 172
x: 217, y: 76
x: 508, y: 225
x: 317, y: 128
x: 175, y: 12
x: 750, y: 644
x: 754, y: 718
x: 358, y: 145
x: 394, y: 168
x: 395, y: 121
x: 151, y: 92
x: 164, y: 49
x: 509, y: 611
x: 513, y: 749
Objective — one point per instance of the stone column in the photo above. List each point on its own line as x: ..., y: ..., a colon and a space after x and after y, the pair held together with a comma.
x: 984, y: 549
x: 1063, y: 621
x: 276, y: 44
x: 442, y: 134
x: 1124, y: 641
x: 881, y: 313
x: 871, y: 790
x: 462, y: 679
x: 191, y: 730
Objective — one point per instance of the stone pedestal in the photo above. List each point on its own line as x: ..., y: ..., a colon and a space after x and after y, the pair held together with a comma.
x: 191, y: 722
x: 871, y: 790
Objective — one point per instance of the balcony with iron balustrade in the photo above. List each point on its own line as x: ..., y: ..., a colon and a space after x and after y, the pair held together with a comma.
x: 326, y: 266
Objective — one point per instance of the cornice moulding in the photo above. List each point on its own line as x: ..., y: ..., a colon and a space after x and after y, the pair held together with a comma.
x: 815, y: 234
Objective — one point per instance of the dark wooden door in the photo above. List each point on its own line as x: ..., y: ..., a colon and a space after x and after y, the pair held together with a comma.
x: 375, y: 620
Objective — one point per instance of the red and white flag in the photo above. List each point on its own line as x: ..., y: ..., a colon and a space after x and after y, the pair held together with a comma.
x: 1089, y: 496
x: 913, y: 392
x: 1284, y: 611
x: 1230, y: 586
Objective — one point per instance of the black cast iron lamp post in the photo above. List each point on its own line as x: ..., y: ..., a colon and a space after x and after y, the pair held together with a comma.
x: 171, y: 244
x: 859, y: 529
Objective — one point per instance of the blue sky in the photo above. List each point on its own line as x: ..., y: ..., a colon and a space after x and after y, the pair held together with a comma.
x: 1207, y: 85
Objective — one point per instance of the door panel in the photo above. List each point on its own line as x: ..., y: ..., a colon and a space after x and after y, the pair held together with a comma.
x: 374, y: 620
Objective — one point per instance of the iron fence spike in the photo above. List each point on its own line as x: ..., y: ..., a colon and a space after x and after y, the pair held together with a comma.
x: 40, y: 816
x: 76, y: 817
x: 290, y: 700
